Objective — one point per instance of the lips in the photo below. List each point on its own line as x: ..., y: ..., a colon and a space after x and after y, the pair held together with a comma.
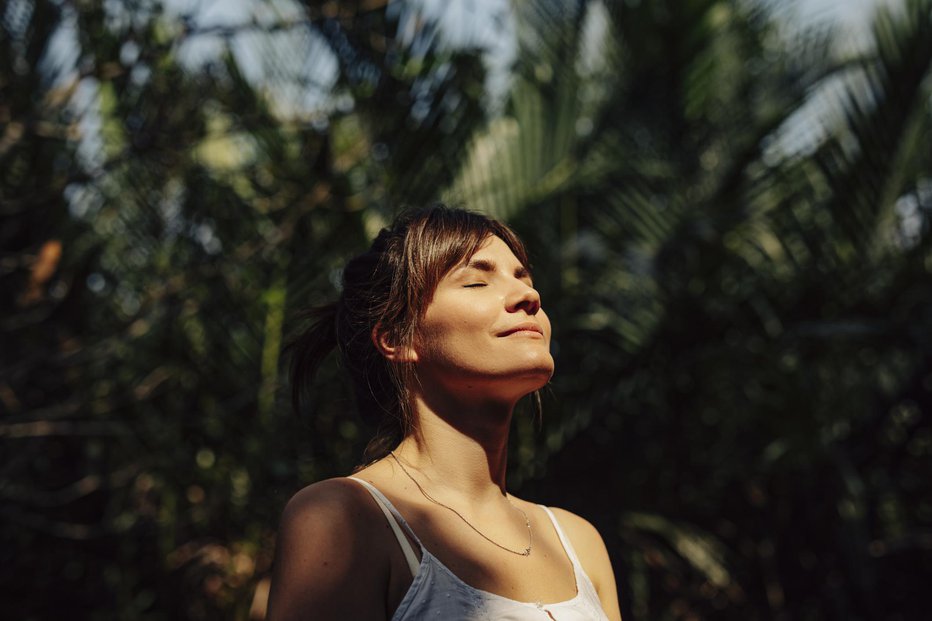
x: 523, y: 327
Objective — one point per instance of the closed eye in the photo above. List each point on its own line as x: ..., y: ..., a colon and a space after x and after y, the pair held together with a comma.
x: 478, y: 284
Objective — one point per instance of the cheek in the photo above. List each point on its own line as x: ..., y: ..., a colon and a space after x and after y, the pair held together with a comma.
x: 440, y: 339
x: 461, y: 330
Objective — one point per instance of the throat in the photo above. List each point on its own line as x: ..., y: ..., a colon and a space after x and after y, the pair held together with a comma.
x: 525, y: 552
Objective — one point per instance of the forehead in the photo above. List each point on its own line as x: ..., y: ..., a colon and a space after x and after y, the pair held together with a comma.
x: 492, y: 255
x: 493, y: 247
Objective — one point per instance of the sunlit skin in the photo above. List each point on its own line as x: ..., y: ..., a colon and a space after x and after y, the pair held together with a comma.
x: 483, y: 344
x: 484, y: 340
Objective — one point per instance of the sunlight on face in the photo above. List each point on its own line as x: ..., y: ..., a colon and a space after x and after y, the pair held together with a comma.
x: 484, y: 327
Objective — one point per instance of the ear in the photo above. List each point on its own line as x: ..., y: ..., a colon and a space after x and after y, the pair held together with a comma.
x: 391, y: 351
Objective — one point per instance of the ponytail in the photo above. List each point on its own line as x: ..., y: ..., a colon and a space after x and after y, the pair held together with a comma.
x: 309, y: 348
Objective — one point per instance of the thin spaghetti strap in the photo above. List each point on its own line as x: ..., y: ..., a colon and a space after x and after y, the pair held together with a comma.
x: 393, y: 517
x: 570, y: 552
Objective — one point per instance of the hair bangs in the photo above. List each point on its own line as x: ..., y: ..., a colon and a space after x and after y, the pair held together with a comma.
x: 444, y: 241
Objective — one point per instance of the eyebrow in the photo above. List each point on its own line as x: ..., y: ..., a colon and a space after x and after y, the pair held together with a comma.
x: 484, y: 265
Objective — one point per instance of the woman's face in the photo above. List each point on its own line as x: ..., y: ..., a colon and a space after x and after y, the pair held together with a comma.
x: 484, y: 328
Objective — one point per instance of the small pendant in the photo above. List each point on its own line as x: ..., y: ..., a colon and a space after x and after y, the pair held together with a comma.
x: 527, y: 552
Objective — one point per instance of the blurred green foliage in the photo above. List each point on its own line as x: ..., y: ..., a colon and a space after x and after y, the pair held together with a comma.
x: 729, y: 222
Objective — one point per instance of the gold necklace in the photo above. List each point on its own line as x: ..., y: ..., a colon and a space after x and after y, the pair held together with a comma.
x: 527, y: 522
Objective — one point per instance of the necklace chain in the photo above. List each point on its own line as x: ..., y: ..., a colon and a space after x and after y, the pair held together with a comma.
x: 527, y: 522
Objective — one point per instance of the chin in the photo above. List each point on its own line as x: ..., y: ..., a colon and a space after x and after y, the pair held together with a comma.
x: 538, y: 376
x: 515, y: 383
x: 541, y: 365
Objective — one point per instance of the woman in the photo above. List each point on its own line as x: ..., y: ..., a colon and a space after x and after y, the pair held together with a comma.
x: 442, y: 332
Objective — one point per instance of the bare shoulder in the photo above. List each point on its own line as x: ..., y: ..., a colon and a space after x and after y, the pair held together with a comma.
x: 338, y: 502
x: 334, y: 518
x: 593, y: 556
x: 580, y: 531
x: 327, y: 553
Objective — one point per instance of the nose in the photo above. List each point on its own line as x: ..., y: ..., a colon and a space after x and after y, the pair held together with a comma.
x: 524, y: 297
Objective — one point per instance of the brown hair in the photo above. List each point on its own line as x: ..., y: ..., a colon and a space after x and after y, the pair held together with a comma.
x: 390, y: 286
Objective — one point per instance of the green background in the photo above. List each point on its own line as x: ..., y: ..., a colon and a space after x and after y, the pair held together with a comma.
x: 729, y: 222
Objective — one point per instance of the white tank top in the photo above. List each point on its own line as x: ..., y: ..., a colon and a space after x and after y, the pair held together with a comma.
x: 436, y: 592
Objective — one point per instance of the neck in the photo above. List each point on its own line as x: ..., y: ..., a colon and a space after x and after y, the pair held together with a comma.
x: 460, y: 447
